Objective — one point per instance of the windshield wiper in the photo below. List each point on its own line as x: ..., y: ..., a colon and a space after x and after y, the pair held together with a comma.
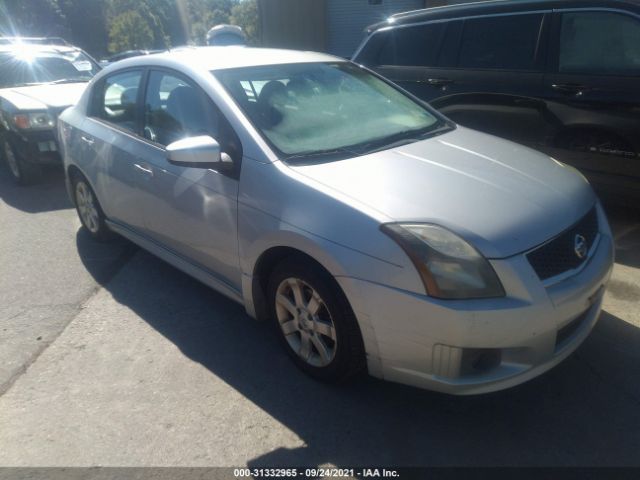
x: 26, y: 84
x: 68, y: 80
x: 398, y: 139
x: 319, y: 153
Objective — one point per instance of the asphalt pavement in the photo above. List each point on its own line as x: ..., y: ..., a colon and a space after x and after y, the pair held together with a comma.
x: 111, y: 357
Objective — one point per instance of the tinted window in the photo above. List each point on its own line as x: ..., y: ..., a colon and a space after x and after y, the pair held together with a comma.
x: 177, y: 109
x: 412, y: 46
x: 507, y: 42
x: 599, y: 42
x: 116, y: 99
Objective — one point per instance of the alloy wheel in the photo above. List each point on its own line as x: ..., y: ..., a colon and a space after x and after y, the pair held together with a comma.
x: 87, y: 207
x: 306, y: 322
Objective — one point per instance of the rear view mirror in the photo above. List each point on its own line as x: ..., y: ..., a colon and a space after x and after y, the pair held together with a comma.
x: 198, y: 152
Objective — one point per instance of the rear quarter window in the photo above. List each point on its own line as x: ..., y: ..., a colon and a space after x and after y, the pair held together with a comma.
x: 599, y: 43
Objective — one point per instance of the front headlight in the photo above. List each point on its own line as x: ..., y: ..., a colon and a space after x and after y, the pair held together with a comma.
x: 450, y: 268
x: 34, y: 121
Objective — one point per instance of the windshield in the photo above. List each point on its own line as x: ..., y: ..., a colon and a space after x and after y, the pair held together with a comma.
x: 30, y: 67
x: 337, y: 109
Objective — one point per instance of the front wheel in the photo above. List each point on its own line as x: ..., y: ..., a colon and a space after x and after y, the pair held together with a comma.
x: 89, y: 210
x: 315, y: 321
x: 23, y: 173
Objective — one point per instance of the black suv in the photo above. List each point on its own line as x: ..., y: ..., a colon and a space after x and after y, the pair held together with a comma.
x: 560, y: 76
x: 39, y: 78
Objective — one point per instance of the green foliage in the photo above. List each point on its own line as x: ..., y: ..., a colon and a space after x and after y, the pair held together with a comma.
x: 129, y: 30
x: 100, y: 26
x: 85, y: 22
x: 31, y: 17
x: 245, y: 14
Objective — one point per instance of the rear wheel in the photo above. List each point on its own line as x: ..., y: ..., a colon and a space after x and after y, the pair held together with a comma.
x: 89, y: 210
x: 315, y: 321
x: 23, y: 173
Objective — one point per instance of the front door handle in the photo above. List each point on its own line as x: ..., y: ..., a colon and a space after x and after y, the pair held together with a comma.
x: 87, y: 140
x: 144, y: 169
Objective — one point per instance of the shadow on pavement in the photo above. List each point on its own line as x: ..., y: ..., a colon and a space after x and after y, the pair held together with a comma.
x: 625, y: 224
x: 584, y: 412
x: 47, y: 195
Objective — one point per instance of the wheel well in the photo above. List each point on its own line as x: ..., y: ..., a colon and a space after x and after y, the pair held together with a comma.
x: 73, y: 172
x: 262, y: 271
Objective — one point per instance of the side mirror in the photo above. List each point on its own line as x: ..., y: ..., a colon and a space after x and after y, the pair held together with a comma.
x: 198, y: 152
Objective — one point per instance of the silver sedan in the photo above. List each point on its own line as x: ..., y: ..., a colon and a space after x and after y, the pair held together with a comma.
x: 376, y: 234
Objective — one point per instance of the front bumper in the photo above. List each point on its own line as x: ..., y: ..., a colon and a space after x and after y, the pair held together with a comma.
x: 38, y: 147
x: 479, y: 346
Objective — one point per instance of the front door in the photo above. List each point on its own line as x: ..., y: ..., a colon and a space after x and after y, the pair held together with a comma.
x: 191, y: 211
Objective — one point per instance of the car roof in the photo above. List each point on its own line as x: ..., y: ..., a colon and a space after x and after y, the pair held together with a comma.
x: 498, y: 6
x: 218, y: 58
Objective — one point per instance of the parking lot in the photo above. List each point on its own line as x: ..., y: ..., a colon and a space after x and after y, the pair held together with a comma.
x: 108, y: 356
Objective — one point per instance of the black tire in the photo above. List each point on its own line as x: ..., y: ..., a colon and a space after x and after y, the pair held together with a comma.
x: 348, y: 356
x: 22, y: 172
x: 93, y: 223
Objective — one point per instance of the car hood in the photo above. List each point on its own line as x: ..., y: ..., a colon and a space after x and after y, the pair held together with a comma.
x: 500, y: 196
x: 41, y: 97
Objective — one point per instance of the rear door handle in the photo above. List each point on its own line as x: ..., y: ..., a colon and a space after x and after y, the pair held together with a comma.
x: 144, y: 169
x: 87, y: 140
x: 439, y: 82
x: 574, y: 88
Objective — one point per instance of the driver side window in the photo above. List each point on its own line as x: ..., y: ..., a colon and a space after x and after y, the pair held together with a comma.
x: 175, y: 109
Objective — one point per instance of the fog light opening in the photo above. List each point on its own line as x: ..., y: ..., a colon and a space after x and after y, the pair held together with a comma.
x: 480, y: 360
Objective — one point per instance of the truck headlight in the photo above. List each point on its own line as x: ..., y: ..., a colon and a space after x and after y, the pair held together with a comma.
x: 449, y: 266
x: 34, y: 121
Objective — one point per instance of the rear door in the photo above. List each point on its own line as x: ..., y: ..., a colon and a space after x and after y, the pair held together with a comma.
x: 593, y: 88
x: 108, y: 136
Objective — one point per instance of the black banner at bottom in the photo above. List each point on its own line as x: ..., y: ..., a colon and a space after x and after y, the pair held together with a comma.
x: 308, y: 473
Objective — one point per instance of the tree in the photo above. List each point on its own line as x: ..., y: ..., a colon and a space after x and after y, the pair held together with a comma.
x: 31, y: 18
x: 204, y: 14
x: 115, y: 25
x: 151, y: 13
x: 245, y: 14
x: 129, y: 31
x: 85, y: 21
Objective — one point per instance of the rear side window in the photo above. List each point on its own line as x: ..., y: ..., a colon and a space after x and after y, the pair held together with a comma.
x: 506, y: 42
x: 599, y: 43
x: 116, y: 99
x: 415, y: 46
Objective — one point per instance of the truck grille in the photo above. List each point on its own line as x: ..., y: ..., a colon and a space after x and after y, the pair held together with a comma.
x: 559, y: 254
